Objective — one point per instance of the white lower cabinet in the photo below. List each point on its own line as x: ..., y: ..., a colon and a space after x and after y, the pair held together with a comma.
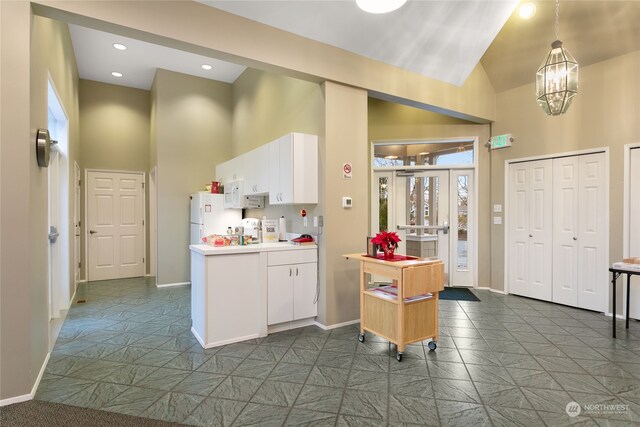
x: 291, y: 287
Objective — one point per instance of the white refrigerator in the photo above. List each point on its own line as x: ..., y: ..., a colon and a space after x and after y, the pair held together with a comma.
x: 208, y: 216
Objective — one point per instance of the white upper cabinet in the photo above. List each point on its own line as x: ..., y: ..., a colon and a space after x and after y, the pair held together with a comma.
x: 231, y: 170
x: 256, y: 171
x: 293, y: 169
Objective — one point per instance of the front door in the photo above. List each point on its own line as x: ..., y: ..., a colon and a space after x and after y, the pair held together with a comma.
x: 432, y: 212
x: 422, y: 215
x: 115, y: 225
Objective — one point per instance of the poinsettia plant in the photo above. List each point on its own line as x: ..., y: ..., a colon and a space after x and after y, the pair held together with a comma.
x: 386, y: 240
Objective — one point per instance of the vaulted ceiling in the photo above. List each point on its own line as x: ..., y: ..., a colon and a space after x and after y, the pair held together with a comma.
x: 441, y: 39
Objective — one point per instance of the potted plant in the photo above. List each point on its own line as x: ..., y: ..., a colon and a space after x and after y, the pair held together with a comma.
x: 388, y: 241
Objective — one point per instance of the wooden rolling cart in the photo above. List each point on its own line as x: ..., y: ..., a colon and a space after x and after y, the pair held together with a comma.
x: 406, y: 319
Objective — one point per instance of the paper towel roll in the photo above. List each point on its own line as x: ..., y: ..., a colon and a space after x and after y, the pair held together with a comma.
x: 282, y: 230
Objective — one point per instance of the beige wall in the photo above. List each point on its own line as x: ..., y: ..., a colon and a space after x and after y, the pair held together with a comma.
x: 345, y: 229
x: 388, y: 121
x: 192, y: 135
x: 114, y: 133
x: 33, y: 49
x: 114, y: 126
x: 604, y: 114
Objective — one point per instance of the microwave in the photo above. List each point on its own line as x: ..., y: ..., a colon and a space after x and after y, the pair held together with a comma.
x: 234, y: 197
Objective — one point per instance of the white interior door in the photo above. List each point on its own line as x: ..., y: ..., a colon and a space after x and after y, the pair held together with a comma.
x: 634, y: 227
x: 592, y: 232
x: 565, y: 235
x: 115, y: 225
x: 76, y: 223
x: 422, y: 215
x: 55, y: 257
x: 518, y: 214
x: 530, y: 229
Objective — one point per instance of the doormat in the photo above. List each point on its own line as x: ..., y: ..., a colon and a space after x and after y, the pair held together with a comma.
x: 458, y: 294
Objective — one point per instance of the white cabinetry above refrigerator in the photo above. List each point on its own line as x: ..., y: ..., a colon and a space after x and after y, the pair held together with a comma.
x: 256, y: 171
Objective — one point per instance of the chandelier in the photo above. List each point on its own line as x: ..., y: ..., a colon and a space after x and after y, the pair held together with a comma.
x: 557, y: 77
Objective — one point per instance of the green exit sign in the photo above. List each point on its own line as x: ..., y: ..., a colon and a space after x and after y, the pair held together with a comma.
x: 501, y: 141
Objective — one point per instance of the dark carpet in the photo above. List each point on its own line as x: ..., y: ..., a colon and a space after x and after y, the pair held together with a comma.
x: 37, y: 413
x: 458, y: 294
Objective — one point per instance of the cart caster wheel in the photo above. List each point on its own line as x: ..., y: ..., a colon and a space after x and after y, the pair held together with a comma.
x: 361, y: 337
x: 432, y: 345
x: 399, y: 356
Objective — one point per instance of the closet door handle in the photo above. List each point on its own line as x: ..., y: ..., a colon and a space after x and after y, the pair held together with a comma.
x: 575, y: 238
x: 530, y: 235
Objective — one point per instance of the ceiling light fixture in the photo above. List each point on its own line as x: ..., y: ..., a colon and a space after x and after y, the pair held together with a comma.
x: 557, y: 77
x: 119, y: 46
x: 116, y: 74
x: 391, y: 157
x: 527, y: 10
x: 380, y: 6
x: 206, y: 67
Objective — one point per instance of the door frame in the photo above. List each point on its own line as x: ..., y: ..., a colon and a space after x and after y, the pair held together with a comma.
x: 507, y: 164
x: 626, y: 203
x: 86, y: 213
x: 153, y: 221
x: 475, y: 167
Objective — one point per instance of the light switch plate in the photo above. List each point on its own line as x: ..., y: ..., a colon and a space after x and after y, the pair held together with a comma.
x: 497, y: 208
x: 497, y: 220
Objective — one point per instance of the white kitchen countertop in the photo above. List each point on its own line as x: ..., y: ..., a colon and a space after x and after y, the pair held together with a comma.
x: 245, y: 249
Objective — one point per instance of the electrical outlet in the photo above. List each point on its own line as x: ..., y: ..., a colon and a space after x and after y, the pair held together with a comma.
x: 320, y: 221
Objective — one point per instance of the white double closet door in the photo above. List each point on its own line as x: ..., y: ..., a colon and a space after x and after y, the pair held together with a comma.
x: 558, y: 230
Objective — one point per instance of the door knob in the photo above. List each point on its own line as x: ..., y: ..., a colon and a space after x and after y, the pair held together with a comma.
x: 530, y: 235
x: 92, y: 231
x: 575, y: 238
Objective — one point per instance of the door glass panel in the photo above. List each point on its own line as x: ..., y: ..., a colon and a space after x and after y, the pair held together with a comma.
x: 422, y: 209
x: 463, y: 223
x: 383, y: 202
x: 422, y: 154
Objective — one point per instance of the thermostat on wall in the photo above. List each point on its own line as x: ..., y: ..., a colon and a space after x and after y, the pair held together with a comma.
x: 346, y: 202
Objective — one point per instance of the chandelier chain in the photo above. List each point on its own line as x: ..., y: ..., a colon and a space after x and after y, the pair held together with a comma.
x: 557, y: 26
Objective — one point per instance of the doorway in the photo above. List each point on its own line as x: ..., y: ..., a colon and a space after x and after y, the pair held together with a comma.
x: 59, y: 284
x: 631, y: 224
x: 115, y: 224
x: 428, y: 199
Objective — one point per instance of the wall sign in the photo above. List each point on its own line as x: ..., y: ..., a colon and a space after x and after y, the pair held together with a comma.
x: 346, y: 171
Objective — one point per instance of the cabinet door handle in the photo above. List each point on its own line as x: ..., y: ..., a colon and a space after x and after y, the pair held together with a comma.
x: 575, y: 238
x: 296, y: 271
x: 290, y: 272
x: 530, y: 235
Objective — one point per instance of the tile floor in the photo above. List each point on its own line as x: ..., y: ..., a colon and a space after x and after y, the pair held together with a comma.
x: 504, y: 361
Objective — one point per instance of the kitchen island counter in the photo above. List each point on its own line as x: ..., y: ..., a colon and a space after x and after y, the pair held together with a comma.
x: 230, y: 286
x: 245, y: 249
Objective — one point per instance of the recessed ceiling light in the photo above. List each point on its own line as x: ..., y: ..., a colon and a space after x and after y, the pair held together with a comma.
x: 116, y: 74
x: 119, y: 46
x: 206, y: 67
x: 380, y: 6
x: 527, y: 10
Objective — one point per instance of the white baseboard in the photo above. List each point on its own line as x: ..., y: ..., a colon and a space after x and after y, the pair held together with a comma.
x: 495, y: 291
x: 618, y: 316
x: 336, y: 325
x: 294, y: 324
x: 198, y: 337
x: 26, y: 397
x: 171, y: 285
x: 81, y: 281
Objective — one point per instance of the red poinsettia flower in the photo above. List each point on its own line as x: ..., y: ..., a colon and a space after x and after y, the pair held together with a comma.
x: 386, y: 239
